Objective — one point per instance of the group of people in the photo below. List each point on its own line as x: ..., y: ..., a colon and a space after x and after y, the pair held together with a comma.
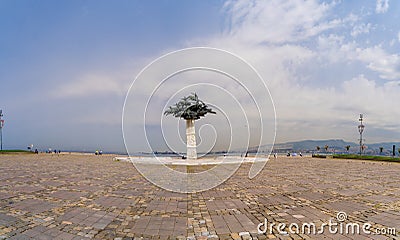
x: 53, y: 151
x: 293, y: 154
x: 98, y: 152
x: 48, y: 151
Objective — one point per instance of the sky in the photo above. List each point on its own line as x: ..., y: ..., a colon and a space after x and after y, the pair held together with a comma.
x: 66, y: 67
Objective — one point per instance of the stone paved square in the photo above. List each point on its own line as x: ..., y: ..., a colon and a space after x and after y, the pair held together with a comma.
x: 96, y: 197
x: 33, y: 205
x: 117, y: 202
x: 67, y: 195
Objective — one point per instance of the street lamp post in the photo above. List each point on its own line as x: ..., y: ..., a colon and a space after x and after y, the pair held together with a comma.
x: 360, y: 130
x: 1, y: 129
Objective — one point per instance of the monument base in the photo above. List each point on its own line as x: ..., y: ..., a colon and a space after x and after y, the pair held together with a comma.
x: 191, y: 140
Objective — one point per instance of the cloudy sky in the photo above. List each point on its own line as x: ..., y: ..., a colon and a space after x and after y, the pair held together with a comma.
x: 66, y: 66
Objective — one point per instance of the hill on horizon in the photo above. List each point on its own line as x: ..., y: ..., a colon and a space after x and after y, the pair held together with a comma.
x: 336, y: 144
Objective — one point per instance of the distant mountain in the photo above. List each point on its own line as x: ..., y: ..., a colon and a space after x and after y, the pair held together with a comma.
x: 385, y: 145
x: 312, y: 144
x: 387, y: 148
x: 333, y: 144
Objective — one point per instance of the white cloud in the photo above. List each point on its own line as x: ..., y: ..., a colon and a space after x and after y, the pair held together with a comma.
x: 360, y: 29
x: 278, y: 21
x: 382, y: 6
x: 378, y: 101
x: 335, y: 49
x: 90, y: 84
x: 392, y: 42
x: 271, y: 35
x: 377, y: 59
x: 281, y: 39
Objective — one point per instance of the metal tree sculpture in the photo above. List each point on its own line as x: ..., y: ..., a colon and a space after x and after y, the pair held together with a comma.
x: 190, y: 108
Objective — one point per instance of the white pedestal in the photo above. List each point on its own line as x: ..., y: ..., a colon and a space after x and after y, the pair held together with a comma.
x: 191, y: 140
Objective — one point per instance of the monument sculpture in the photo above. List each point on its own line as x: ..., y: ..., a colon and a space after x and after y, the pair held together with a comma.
x: 190, y: 108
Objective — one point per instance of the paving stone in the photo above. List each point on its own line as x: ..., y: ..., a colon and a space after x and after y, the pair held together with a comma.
x: 96, y: 197
x: 235, y: 236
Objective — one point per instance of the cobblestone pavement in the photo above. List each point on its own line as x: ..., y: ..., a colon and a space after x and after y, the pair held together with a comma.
x: 94, y: 197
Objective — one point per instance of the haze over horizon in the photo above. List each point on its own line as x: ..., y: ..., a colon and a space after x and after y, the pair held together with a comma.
x: 66, y: 66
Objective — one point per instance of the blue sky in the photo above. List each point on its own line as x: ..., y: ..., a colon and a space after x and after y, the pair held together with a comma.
x: 66, y: 66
